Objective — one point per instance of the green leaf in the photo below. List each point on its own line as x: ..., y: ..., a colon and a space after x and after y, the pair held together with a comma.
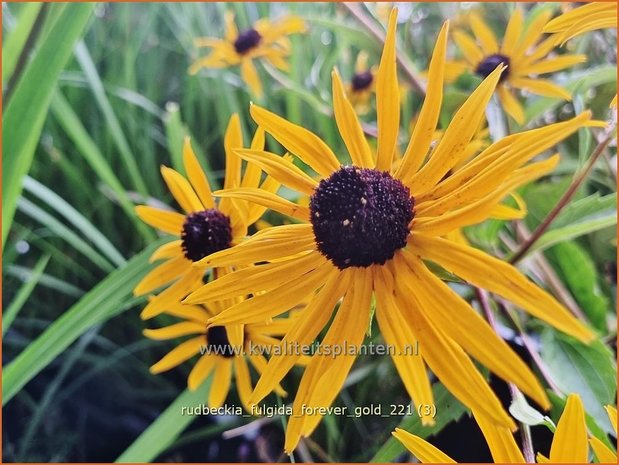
x: 162, y: 433
x: 26, y: 111
x: 76, y: 219
x: 586, y: 208
x: 578, y: 271
x: 588, y: 370
x: 110, y: 297
x: 448, y: 409
x: 14, y: 42
x: 22, y: 295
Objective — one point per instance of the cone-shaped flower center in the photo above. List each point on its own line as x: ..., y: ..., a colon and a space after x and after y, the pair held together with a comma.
x: 489, y: 64
x: 246, y: 41
x: 360, y: 216
x: 204, y: 233
x: 362, y: 81
x: 218, y: 343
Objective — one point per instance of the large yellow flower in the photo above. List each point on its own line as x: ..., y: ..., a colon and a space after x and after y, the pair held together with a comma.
x: 218, y: 354
x: 265, y: 39
x: 591, y: 17
x: 204, y: 227
x: 523, y: 52
x: 569, y: 444
x: 367, y: 231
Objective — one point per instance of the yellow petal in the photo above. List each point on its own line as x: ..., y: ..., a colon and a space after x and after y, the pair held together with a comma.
x: 277, y: 301
x: 612, y: 416
x: 231, y: 31
x: 305, y: 329
x: 196, y: 176
x: 448, y: 311
x: 349, y: 126
x: 387, y: 99
x: 500, y: 441
x: 181, y: 190
x: 423, y: 133
x: 461, y: 130
x: 281, y: 169
x: 532, y: 33
x: 221, y: 382
x: 484, y: 34
x: 269, y: 244
x: 469, y: 48
x: 569, y: 444
x: 260, y: 362
x: 499, y: 277
x: 512, y: 32
x: 555, y: 64
x: 163, y: 274
x: 194, y: 313
x: 511, y: 105
x: 233, y: 139
x: 298, y: 140
x: 184, y: 328
x: 602, y: 452
x: 170, y: 250
x: 200, y: 371
x: 541, y: 87
x: 423, y: 450
x: 243, y: 381
x: 397, y: 332
x: 166, y: 221
x: 178, y: 355
x: 249, y: 73
x: 172, y: 294
x: 268, y: 200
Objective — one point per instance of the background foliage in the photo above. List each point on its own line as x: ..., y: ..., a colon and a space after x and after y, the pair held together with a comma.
x: 96, y: 97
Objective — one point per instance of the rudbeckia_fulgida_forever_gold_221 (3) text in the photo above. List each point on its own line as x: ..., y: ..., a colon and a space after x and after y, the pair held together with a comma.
x: 369, y: 230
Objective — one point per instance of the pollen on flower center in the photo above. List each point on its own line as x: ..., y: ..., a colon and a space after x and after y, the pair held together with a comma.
x: 362, y: 81
x: 360, y: 216
x: 489, y: 64
x: 204, y: 233
x: 218, y: 343
x: 246, y: 41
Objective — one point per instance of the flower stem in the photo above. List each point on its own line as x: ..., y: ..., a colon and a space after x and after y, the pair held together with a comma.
x: 565, y: 199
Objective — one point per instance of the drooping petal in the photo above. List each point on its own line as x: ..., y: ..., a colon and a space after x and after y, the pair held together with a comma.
x: 500, y: 440
x: 499, y: 277
x: 249, y: 73
x: 243, y: 381
x: 511, y: 105
x: 163, y: 274
x: 178, y: 355
x: 221, y: 382
x: 422, y: 449
x: 602, y: 452
x: 200, y: 371
x: 172, y: 294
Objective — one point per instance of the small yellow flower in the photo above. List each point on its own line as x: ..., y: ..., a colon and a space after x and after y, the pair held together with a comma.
x: 368, y: 229
x: 362, y: 85
x: 204, y: 227
x: 218, y: 353
x: 265, y: 40
x: 523, y: 51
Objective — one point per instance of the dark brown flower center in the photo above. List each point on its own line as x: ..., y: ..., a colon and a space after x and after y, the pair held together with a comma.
x: 204, y: 233
x: 360, y: 216
x: 362, y: 81
x: 246, y: 41
x: 490, y: 63
x: 218, y: 343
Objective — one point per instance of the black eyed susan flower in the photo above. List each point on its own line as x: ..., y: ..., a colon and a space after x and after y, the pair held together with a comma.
x: 522, y: 51
x: 367, y: 231
x: 266, y: 40
x: 587, y: 18
x: 224, y: 350
x: 362, y: 85
x: 569, y: 444
x: 204, y: 227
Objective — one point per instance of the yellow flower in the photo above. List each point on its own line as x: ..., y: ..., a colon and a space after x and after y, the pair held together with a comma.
x: 265, y: 40
x: 367, y: 230
x: 569, y: 444
x: 522, y: 52
x: 218, y: 354
x: 204, y: 227
x: 362, y: 85
x: 591, y: 17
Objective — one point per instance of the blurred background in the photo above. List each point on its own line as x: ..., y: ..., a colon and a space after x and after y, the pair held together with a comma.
x: 90, y: 134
